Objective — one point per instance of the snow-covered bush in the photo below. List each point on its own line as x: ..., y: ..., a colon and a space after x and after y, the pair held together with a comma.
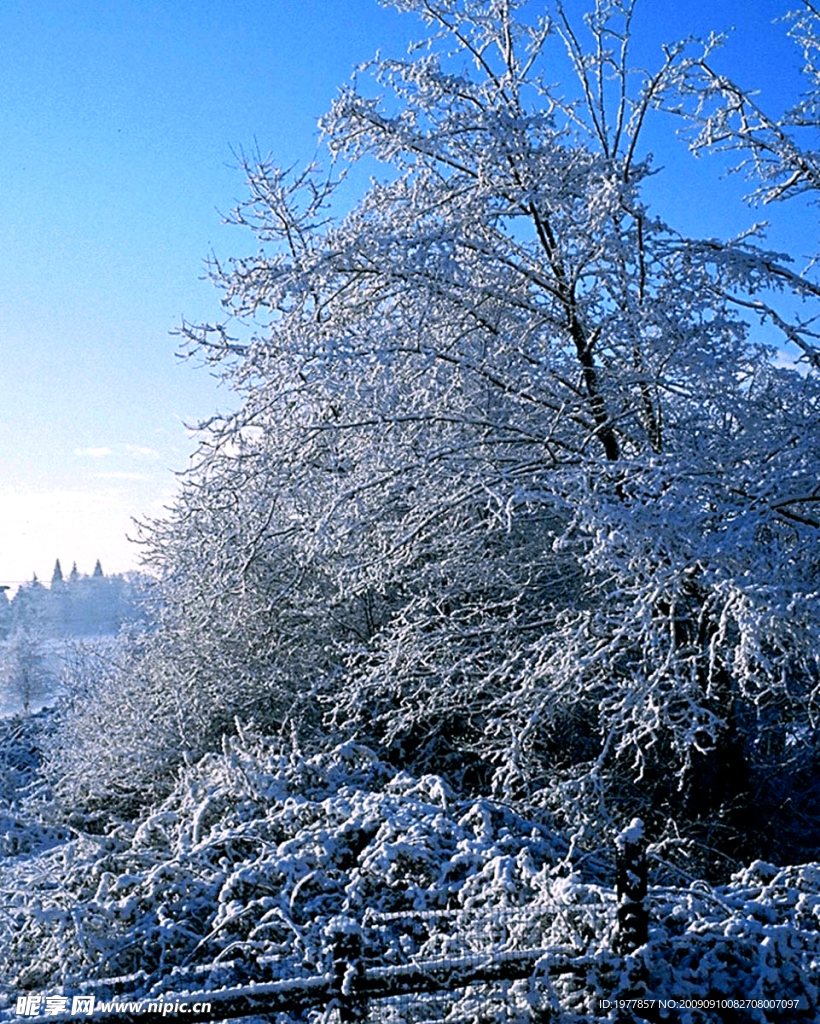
x: 136, y: 711
x: 116, y: 731
x: 21, y: 742
x: 252, y: 855
x: 248, y: 869
x: 756, y: 938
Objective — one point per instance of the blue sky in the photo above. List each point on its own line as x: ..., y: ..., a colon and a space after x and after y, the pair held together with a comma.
x: 119, y: 121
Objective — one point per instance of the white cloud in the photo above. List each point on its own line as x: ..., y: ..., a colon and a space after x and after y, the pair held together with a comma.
x: 143, y: 477
x: 94, y: 453
x: 141, y: 450
x: 138, y: 451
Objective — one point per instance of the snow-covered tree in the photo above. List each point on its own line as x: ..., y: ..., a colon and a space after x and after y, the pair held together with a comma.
x: 777, y: 153
x: 24, y: 673
x: 510, y: 489
x: 5, y: 613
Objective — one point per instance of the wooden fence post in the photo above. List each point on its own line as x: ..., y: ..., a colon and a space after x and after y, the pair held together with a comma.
x: 347, y: 968
x: 630, y: 862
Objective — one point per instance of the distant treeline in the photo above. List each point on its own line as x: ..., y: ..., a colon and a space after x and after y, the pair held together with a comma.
x: 75, y: 605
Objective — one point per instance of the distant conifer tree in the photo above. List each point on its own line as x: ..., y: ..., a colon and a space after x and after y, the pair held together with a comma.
x: 73, y: 576
x: 57, y: 575
x: 97, y: 569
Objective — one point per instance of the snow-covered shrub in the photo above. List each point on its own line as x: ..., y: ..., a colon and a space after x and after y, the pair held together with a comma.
x: 115, y: 739
x: 136, y: 712
x: 251, y: 856
x: 755, y: 938
x: 245, y: 871
x: 21, y: 742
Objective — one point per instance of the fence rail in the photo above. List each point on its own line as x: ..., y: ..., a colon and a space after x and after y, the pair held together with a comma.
x: 352, y: 995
